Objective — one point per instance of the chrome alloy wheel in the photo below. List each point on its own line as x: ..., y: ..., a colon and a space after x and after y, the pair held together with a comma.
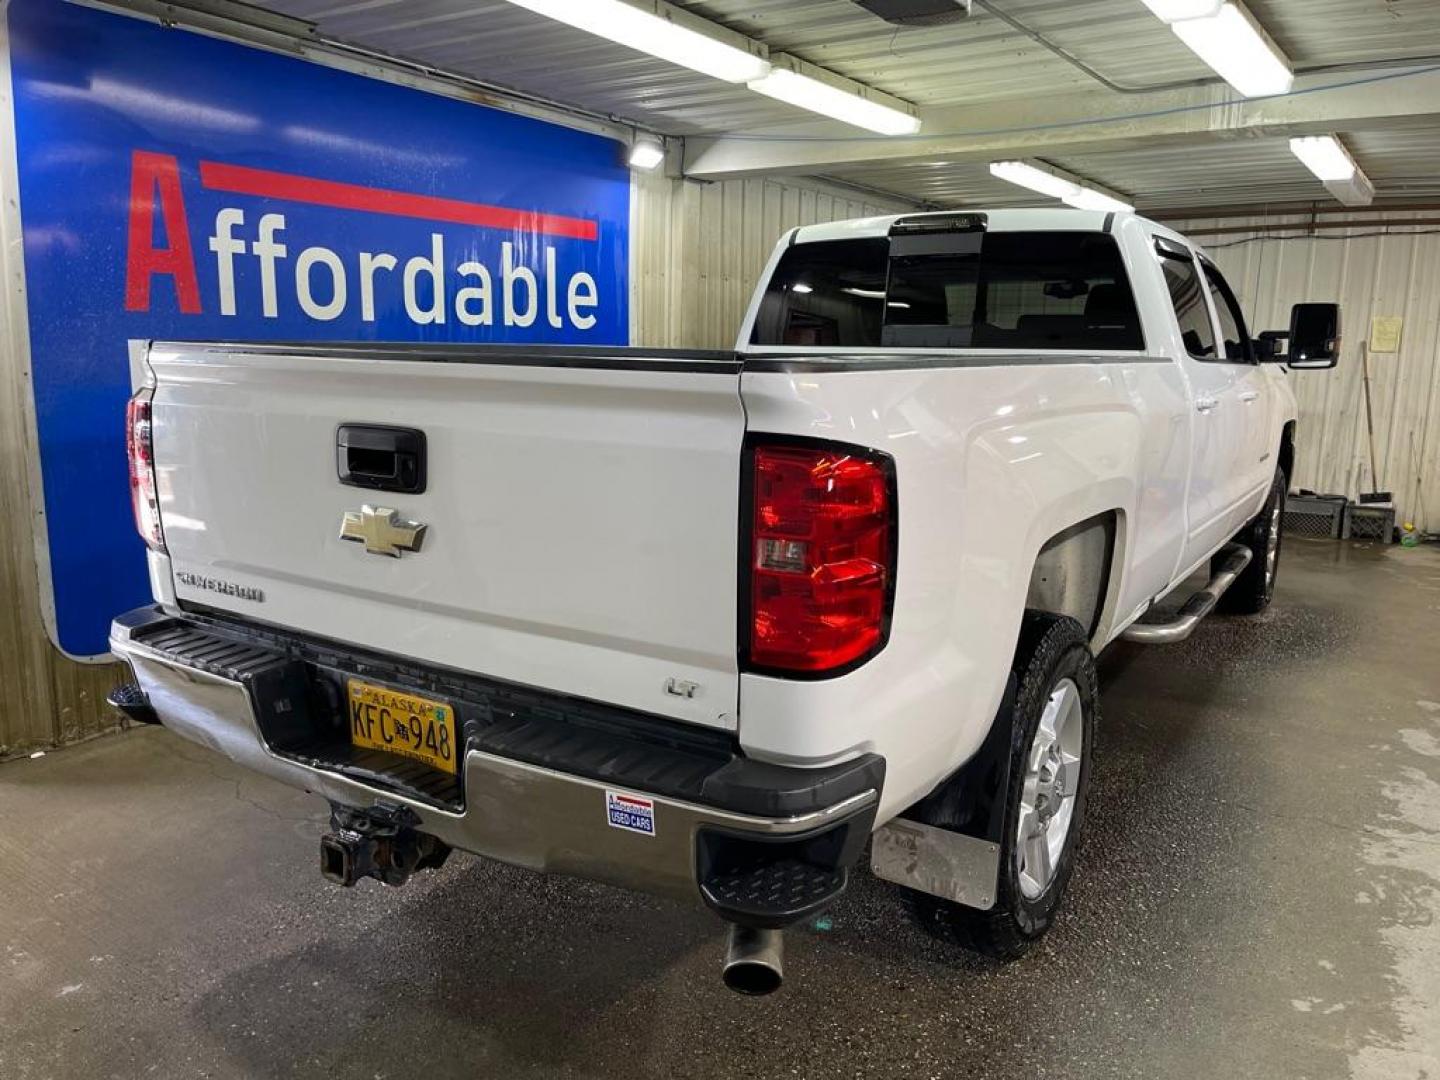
x: 1052, y: 778
x: 1272, y: 546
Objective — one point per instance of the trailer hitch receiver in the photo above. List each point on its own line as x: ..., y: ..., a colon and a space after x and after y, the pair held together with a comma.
x: 381, y: 842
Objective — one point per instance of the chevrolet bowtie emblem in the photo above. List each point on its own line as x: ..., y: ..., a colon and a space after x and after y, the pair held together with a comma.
x: 382, y: 530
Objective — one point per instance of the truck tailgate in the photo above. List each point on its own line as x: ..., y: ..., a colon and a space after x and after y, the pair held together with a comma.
x: 581, y: 510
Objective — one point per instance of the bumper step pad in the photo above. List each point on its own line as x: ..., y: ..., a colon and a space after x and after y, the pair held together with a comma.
x: 778, y: 892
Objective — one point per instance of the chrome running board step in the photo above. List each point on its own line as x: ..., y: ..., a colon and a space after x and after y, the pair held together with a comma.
x: 1236, y: 558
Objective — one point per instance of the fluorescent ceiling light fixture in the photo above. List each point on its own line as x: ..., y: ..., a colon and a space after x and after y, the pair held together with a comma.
x: 1061, y: 185
x: 646, y: 152
x: 1174, y: 10
x: 1327, y: 158
x: 1357, y: 191
x: 659, y: 29
x: 1238, y: 49
x: 1324, y: 156
x: 794, y: 81
x: 801, y: 287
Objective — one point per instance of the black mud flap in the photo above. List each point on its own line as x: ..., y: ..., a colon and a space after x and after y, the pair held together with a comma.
x: 949, y: 843
x: 971, y: 801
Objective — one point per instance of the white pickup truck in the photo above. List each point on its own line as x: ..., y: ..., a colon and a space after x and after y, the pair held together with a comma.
x: 708, y: 624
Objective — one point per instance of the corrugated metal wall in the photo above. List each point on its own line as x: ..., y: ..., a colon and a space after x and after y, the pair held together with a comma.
x: 1393, y: 274
x: 48, y: 699
x: 700, y: 248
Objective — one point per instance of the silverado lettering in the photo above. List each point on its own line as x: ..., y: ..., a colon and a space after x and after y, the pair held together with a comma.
x: 217, y: 585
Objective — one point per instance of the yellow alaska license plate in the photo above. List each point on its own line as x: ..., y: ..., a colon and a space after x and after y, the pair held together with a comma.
x: 401, y: 723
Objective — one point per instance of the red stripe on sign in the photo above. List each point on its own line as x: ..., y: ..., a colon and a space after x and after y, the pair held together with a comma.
x: 633, y: 802
x: 307, y: 189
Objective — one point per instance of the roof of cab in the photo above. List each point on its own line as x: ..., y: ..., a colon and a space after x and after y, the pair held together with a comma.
x: 1049, y: 218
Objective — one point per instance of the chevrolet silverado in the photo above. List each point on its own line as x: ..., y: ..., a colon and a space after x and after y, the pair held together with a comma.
x: 717, y: 624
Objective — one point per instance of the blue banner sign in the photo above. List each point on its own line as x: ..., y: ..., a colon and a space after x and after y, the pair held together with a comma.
x: 176, y: 186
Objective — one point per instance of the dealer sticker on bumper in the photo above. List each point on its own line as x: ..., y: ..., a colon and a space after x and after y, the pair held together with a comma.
x: 630, y: 812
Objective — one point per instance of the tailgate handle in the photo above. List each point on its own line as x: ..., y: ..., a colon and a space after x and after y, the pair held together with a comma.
x: 381, y: 457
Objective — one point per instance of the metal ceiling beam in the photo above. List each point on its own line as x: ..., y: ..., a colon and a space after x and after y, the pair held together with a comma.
x: 1082, y: 123
x: 1395, y: 227
x: 1279, y: 209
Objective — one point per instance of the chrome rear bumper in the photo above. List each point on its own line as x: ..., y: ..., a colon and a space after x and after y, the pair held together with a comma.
x: 513, y: 811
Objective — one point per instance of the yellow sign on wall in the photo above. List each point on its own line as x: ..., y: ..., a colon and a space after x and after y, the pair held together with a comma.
x: 1385, y: 333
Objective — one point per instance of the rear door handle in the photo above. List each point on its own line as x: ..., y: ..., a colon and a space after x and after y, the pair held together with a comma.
x: 1248, y: 396
x: 1205, y: 404
x: 381, y: 457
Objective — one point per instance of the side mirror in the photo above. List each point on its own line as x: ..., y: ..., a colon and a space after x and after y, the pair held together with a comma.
x: 1314, y: 336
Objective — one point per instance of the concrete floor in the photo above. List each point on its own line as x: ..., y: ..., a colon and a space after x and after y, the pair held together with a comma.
x: 1257, y: 898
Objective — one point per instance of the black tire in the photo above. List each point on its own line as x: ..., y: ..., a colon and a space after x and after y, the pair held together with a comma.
x: 1052, y: 648
x: 1253, y: 590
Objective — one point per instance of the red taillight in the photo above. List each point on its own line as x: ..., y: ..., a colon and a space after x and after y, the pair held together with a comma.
x: 822, y: 556
x: 143, y: 496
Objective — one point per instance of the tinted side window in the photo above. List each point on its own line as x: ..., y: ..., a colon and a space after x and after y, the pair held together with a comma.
x: 827, y: 293
x: 1183, y: 281
x: 1232, y: 321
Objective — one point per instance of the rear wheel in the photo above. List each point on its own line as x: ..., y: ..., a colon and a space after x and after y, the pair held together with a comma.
x: 1253, y: 590
x: 1053, y: 729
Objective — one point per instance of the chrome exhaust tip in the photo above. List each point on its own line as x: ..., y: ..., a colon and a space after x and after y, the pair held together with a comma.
x: 753, y: 961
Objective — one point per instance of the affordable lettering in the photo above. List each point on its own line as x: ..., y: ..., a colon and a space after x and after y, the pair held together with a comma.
x: 325, y: 284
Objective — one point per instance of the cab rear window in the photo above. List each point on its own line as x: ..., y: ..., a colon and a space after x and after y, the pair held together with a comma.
x: 1005, y: 290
